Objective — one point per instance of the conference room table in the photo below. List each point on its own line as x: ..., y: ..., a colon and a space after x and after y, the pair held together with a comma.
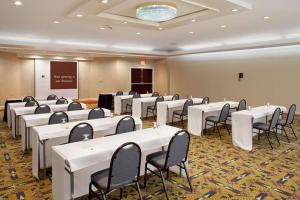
x: 139, y: 105
x: 165, y: 109
x: 45, y: 137
x: 11, y: 106
x: 242, y: 124
x: 121, y: 101
x: 198, y: 113
x: 19, y: 111
x: 29, y: 121
x: 74, y: 163
x: 106, y: 100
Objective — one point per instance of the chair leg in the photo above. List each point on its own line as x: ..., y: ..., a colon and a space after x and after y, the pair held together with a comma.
x: 103, y: 195
x: 205, y: 127
x: 145, y: 175
x: 163, y: 181
x: 293, y: 131
x: 121, y: 193
x: 187, y: 175
x: 287, y: 137
x: 258, y: 135
x: 276, y: 136
x: 139, y: 190
x: 173, y: 119
x: 90, y: 191
x: 227, y: 128
x: 218, y: 131
x: 267, y: 135
x: 182, y: 122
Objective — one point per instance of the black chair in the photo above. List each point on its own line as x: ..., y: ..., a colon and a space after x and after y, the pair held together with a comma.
x: 52, y: 97
x: 81, y: 132
x: 288, y: 122
x: 132, y: 92
x: 126, y: 124
x: 58, y: 118
x: 180, y: 114
x: 96, y: 113
x: 242, y: 106
x: 215, y: 121
x: 31, y: 103
x: 62, y: 101
x: 129, y: 105
x: 75, y: 106
x: 42, y: 109
x: 175, y: 97
x: 28, y: 98
x: 175, y: 156
x: 155, y: 94
x: 124, y: 170
x: 153, y: 109
x: 205, y: 100
x: 269, y: 128
x: 119, y: 93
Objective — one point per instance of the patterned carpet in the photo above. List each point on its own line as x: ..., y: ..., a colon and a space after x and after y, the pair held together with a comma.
x: 218, y: 171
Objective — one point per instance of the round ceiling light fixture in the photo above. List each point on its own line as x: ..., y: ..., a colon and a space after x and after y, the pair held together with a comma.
x: 156, y: 11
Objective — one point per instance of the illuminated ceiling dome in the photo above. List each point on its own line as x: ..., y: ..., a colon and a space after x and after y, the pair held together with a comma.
x: 156, y: 11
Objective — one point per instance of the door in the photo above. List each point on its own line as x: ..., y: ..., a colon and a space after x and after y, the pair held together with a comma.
x: 141, y: 80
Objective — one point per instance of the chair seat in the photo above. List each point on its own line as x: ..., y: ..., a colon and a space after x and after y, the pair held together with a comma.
x: 261, y: 126
x: 129, y: 104
x: 157, y: 159
x: 151, y: 108
x: 100, y: 179
x: 214, y: 119
x: 177, y: 112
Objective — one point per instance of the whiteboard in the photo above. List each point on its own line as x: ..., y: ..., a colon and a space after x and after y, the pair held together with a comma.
x: 42, y: 82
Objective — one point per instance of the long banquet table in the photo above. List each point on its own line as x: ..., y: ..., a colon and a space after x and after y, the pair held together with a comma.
x: 165, y: 109
x: 10, y: 107
x: 84, y: 158
x: 139, y: 105
x: 121, y: 101
x: 44, y: 137
x: 197, y: 115
x: 242, y: 124
x: 29, y: 121
x: 17, y: 112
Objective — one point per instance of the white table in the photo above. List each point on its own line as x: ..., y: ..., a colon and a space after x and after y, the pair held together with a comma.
x: 139, y: 105
x: 197, y: 115
x: 10, y: 106
x: 85, y: 158
x: 242, y: 124
x: 17, y: 112
x: 165, y: 109
x: 44, y: 137
x: 121, y: 101
x: 29, y: 121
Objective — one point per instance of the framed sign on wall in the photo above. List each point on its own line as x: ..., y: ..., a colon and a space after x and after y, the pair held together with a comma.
x: 63, y: 75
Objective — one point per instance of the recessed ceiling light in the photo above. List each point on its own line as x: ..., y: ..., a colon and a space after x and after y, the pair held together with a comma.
x: 125, y: 22
x: 191, y: 32
x: 18, y: 3
x: 193, y: 20
x: 234, y: 10
x: 267, y: 17
x: 138, y: 33
x: 56, y: 22
x: 160, y: 28
x: 223, y: 26
x: 102, y: 28
x: 104, y: 1
x: 79, y: 15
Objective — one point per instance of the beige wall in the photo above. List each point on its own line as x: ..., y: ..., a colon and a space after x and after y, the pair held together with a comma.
x: 269, y: 76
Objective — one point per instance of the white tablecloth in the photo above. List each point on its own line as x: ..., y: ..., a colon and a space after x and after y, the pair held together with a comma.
x: 59, y: 133
x: 242, y: 124
x: 139, y: 105
x: 197, y: 115
x: 10, y: 106
x: 17, y: 112
x: 29, y: 121
x: 165, y: 109
x: 121, y: 101
x: 88, y: 157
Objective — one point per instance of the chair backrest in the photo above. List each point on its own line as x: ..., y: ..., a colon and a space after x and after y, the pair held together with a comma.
x: 187, y: 103
x: 62, y: 101
x: 275, y: 118
x: 74, y: 106
x: 131, y: 92
x: 175, y: 97
x: 124, y: 166
x: 224, y: 113
x: 28, y: 98
x: 158, y: 99
x: 42, y: 109
x: 178, y: 149
x: 31, y: 103
x: 52, y: 97
x: 242, y: 105
x: 126, y: 124
x: 205, y: 99
x: 119, y: 93
x: 96, y: 113
x: 80, y: 132
x: 155, y: 94
x: 136, y: 95
x: 291, y: 114
x: 58, y: 118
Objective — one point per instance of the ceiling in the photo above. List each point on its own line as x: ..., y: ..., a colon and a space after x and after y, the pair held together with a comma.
x: 106, y: 29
